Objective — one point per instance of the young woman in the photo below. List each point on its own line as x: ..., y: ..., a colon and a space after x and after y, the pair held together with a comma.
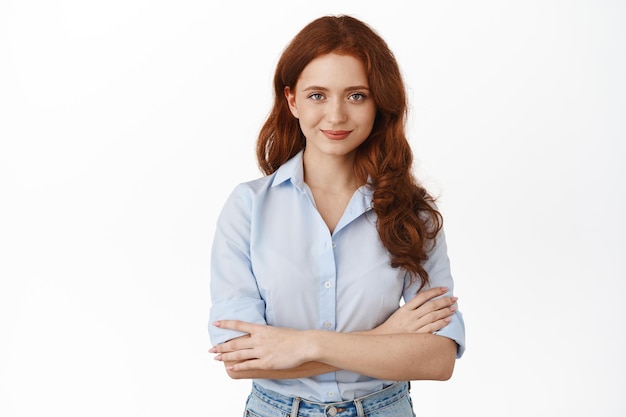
x: 310, y: 262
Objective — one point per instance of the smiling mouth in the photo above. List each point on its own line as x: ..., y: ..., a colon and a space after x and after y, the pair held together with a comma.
x: 336, y: 134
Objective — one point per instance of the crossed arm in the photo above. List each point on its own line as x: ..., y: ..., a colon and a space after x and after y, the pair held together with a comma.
x: 402, y: 348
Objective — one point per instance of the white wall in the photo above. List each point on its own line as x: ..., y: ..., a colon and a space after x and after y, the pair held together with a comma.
x: 125, y: 124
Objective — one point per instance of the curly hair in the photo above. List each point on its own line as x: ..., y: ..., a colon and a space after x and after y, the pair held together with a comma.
x: 407, y: 218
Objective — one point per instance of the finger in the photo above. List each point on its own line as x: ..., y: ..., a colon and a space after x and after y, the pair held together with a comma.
x: 233, y: 345
x: 424, y: 296
x: 435, y: 316
x: 238, y: 355
x: 221, y: 348
x: 252, y: 364
x: 439, y: 314
x: 435, y: 326
x: 437, y: 304
x: 226, y: 346
x: 238, y: 325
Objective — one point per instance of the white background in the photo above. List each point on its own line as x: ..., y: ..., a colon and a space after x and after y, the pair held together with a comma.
x: 125, y: 124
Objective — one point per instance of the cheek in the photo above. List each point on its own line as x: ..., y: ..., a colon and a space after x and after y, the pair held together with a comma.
x: 367, y: 117
x: 309, y: 115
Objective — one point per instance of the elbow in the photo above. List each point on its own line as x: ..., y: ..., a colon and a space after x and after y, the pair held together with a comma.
x: 440, y: 369
x: 446, y: 370
x: 445, y: 361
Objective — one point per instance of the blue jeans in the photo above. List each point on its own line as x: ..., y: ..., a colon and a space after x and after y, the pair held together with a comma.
x: 393, y: 401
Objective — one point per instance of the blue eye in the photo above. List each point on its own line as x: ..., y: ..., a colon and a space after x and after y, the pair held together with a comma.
x: 357, y: 97
x: 316, y: 96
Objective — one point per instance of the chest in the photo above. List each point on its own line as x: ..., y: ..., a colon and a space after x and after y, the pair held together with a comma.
x: 310, y: 277
x: 331, y: 206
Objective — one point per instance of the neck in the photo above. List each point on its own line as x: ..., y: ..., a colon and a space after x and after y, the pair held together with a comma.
x: 330, y: 172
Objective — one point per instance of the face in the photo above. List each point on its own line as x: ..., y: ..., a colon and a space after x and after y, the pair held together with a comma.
x: 334, y: 106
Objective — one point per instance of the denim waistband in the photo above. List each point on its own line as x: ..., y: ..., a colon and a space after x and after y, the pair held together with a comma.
x: 362, y: 406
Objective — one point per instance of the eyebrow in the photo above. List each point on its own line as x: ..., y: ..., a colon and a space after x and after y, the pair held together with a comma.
x: 319, y: 88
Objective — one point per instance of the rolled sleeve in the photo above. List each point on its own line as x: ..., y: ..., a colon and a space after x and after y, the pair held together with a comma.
x: 246, y: 309
x: 438, y: 267
x: 234, y: 291
x: 455, y: 330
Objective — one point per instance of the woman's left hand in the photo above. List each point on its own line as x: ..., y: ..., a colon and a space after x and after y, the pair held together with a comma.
x: 423, y: 314
x: 266, y: 347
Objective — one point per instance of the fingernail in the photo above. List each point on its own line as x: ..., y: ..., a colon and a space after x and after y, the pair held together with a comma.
x: 217, y: 323
x: 453, y: 308
x: 454, y: 299
x: 218, y: 358
x: 444, y: 289
x: 212, y: 350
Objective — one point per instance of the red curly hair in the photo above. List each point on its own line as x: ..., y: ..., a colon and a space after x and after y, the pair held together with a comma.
x: 408, y: 220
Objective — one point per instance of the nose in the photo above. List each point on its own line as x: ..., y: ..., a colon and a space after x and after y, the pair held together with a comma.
x: 336, y: 111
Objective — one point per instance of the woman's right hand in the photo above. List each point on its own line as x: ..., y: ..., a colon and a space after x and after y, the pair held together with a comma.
x: 419, y: 315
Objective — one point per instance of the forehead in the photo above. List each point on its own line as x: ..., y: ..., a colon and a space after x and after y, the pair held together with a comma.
x: 333, y: 70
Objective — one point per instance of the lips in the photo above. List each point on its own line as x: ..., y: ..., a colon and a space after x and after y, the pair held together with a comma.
x: 336, y: 134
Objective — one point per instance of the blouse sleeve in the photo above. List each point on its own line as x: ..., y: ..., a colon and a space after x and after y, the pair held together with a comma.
x: 234, y: 291
x: 438, y: 267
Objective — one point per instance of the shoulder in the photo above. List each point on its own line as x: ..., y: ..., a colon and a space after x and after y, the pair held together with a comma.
x: 290, y: 172
x: 249, y: 192
x: 255, y: 186
x: 242, y: 201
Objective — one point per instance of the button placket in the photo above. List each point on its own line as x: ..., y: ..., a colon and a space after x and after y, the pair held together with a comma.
x: 327, y: 286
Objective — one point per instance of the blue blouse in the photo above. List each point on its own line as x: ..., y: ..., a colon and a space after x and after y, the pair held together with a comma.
x: 274, y: 261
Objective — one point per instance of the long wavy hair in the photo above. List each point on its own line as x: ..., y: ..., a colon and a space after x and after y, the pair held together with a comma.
x: 407, y: 219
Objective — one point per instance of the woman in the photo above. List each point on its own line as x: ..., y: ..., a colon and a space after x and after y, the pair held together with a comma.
x: 310, y: 263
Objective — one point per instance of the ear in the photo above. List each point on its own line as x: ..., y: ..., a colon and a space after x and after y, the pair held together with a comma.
x: 291, y: 101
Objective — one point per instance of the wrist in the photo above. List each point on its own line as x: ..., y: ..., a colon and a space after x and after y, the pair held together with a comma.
x: 312, y: 341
